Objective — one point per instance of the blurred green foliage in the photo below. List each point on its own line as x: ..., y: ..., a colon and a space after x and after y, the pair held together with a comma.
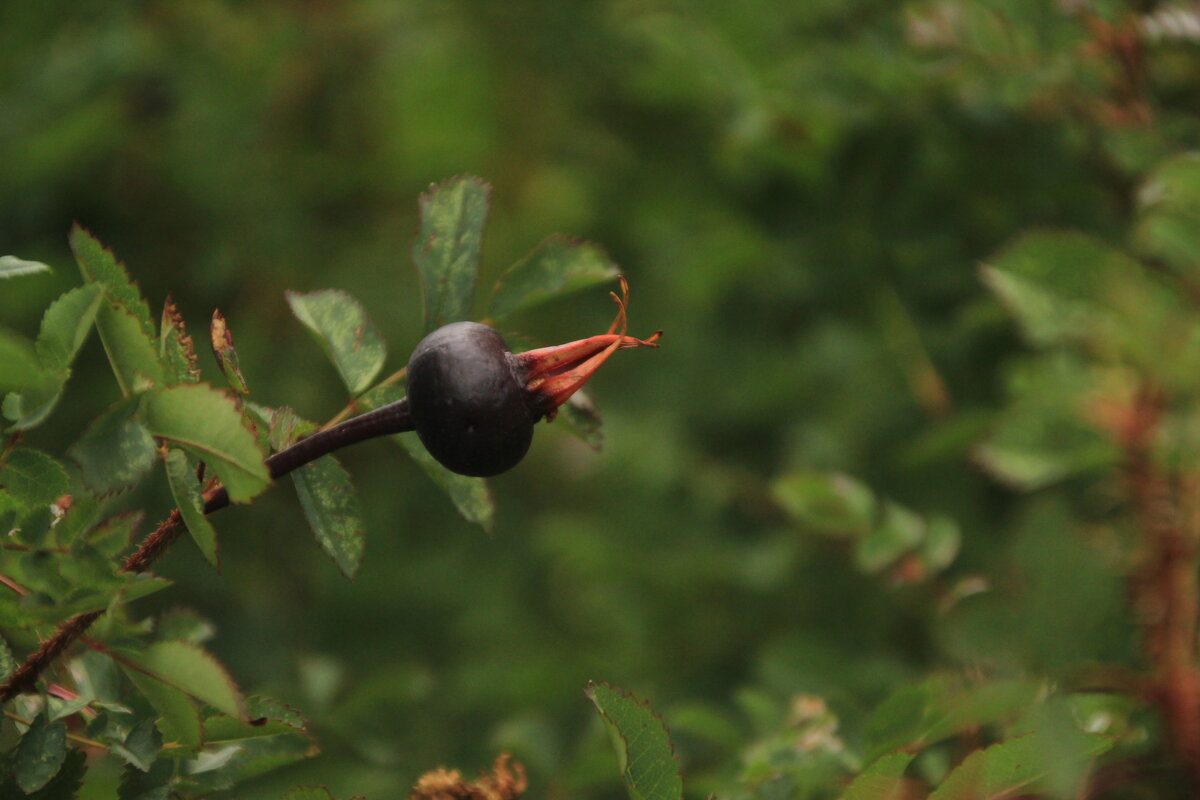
x: 800, y: 194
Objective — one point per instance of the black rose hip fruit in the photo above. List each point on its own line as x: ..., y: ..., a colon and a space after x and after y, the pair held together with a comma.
x: 474, y: 403
x: 466, y: 400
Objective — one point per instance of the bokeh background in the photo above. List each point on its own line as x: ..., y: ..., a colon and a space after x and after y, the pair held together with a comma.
x: 800, y: 195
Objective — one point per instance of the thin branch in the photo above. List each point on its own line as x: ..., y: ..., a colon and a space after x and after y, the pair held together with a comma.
x: 390, y: 419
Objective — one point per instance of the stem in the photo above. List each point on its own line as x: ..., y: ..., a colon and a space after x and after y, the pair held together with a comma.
x: 1166, y: 590
x: 383, y: 421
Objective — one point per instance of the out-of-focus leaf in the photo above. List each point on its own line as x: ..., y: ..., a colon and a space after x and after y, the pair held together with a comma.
x: 897, y: 532
x: 116, y: 450
x: 185, y: 625
x: 643, y: 745
x: 175, y: 346
x: 557, y: 266
x: 1017, y: 766
x: 185, y: 488
x: 7, y: 662
x: 470, y: 496
x: 190, y: 669
x: 33, y: 404
x: 13, y: 267
x: 1168, y: 224
x: 939, y: 707
x: 19, y: 365
x: 141, y: 745
x: 65, y: 784
x: 331, y: 508
x: 582, y: 419
x: 40, y: 754
x: 883, y: 780
x: 226, y: 354
x: 286, y: 427
x: 208, y: 423
x: 157, y: 784
x: 116, y: 533
x: 453, y: 214
x: 179, y: 718
x: 1044, y: 436
x: 344, y: 332
x: 227, y: 766
x: 308, y: 793
x: 33, y: 478
x: 829, y: 503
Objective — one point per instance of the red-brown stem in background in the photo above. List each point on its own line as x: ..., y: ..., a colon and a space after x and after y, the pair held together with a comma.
x: 1165, y: 589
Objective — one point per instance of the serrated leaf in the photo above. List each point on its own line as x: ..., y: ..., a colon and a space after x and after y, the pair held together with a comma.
x: 116, y: 533
x: 232, y: 764
x: 286, y: 427
x: 116, y: 450
x: 185, y: 488
x: 99, y: 265
x: 1168, y: 223
x: 453, y: 214
x: 131, y: 351
x: 1016, y: 767
x: 221, y: 339
x: 883, y: 780
x: 19, y: 366
x: 67, y: 781
x: 141, y: 746
x: 828, y: 503
x: 33, y: 478
x: 643, y: 745
x: 265, y: 717
x: 582, y: 419
x: 40, y: 754
x: 470, y: 496
x: 65, y: 326
x: 191, y: 670
x: 207, y: 422
x: 331, y: 508
x: 344, y: 332
x: 175, y: 346
x: 179, y: 718
x: 558, y: 265
x: 13, y: 267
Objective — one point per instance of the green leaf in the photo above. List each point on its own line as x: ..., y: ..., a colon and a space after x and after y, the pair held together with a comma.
x: 157, y: 784
x: 116, y: 533
x: 33, y: 404
x: 1168, y: 223
x: 19, y: 366
x: 99, y: 265
x: 40, y: 754
x: 185, y: 488
x: 331, y: 508
x: 7, y: 662
x: 581, y: 417
x: 208, y: 423
x: 64, y: 785
x: 65, y: 326
x: 179, y: 718
x: 131, y: 351
x: 558, y: 265
x: 344, y: 332
x: 141, y: 746
x: 1018, y: 766
x: 897, y: 532
x: 447, y: 249
x: 221, y: 339
x: 471, y: 496
x: 883, y: 780
x: 265, y: 717
x: 13, y: 267
x: 116, y: 450
x: 226, y: 767
x: 286, y: 427
x: 308, y: 793
x: 33, y: 478
x: 828, y: 503
x: 175, y: 347
x: 643, y: 745
x: 188, y: 668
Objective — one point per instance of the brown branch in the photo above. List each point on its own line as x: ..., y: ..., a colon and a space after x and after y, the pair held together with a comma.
x: 389, y: 419
x: 1165, y: 588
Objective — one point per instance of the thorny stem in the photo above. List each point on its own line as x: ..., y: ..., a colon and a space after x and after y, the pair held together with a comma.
x: 385, y: 420
x: 1165, y: 589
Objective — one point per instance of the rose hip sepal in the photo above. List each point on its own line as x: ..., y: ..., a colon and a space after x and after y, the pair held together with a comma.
x: 474, y: 402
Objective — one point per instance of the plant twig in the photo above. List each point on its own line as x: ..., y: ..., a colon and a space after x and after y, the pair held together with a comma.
x: 385, y: 420
x: 1165, y: 589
